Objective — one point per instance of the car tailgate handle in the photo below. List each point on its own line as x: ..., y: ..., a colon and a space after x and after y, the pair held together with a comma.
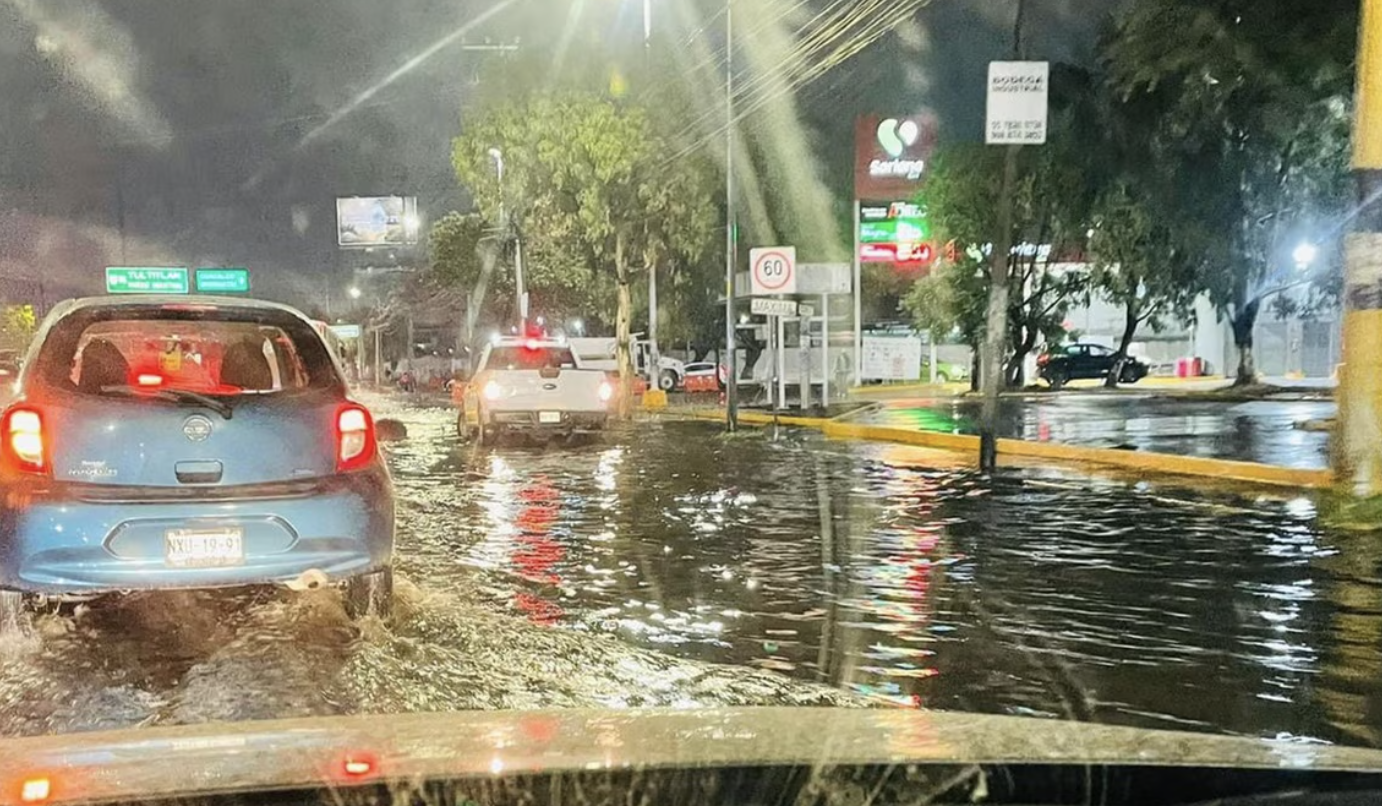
x: 198, y: 472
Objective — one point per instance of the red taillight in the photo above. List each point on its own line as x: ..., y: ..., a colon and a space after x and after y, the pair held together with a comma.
x: 355, y: 445
x: 356, y: 766
x: 147, y: 379
x: 35, y: 790
x: 24, y: 445
x: 1043, y: 359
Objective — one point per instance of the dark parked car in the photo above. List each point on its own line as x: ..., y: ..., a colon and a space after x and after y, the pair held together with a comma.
x: 1075, y: 361
x: 188, y: 442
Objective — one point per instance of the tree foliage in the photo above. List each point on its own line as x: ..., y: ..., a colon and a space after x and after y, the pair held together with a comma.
x: 1251, y: 113
x: 962, y: 197
x: 586, y: 182
x: 17, y: 325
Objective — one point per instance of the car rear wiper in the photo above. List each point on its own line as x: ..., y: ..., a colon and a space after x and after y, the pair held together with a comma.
x: 180, y: 396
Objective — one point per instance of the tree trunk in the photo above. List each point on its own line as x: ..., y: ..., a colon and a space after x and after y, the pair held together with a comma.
x: 1243, y: 322
x: 622, y: 321
x: 1017, y: 370
x: 1131, y: 316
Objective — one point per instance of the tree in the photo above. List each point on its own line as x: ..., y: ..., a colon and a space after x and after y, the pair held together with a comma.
x: 17, y: 325
x: 962, y: 195
x: 470, y: 254
x: 586, y: 175
x: 952, y: 299
x: 1139, y: 264
x: 463, y: 252
x: 1255, y: 116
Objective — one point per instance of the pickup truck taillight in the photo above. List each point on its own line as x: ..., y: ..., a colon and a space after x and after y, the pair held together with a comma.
x: 24, y: 446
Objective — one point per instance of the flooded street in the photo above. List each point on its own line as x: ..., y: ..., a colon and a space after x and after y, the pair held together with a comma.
x: 669, y: 565
x: 1250, y: 430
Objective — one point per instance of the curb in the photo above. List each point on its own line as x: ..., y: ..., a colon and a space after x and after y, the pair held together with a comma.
x: 1164, y: 463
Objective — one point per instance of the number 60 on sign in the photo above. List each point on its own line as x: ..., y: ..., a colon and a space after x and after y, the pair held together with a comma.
x: 773, y: 270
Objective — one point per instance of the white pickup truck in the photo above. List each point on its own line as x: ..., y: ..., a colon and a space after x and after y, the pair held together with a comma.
x: 535, y: 387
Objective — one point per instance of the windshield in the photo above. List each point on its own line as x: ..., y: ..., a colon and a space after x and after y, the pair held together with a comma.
x: 1019, y: 358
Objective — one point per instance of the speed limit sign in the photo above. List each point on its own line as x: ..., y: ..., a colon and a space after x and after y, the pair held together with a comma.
x: 773, y: 270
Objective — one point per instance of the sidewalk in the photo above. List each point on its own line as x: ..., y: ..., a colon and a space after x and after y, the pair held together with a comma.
x: 1210, y: 387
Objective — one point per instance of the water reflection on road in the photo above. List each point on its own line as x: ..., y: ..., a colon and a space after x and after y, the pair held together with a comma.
x: 1255, y: 431
x: 903, y: 576
x: 670, y: 565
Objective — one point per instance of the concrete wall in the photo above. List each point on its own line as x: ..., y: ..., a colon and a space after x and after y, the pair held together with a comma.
x: 1293, y: 346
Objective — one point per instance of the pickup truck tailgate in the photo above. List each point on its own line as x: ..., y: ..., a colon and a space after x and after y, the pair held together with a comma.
x: 548, y: 390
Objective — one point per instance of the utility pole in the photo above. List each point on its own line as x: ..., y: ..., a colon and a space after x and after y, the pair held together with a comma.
x: 498, y: 157
x: 996, y: 334
x: 1358, y: 445
x: 732, y: 382
x: 654, y: 355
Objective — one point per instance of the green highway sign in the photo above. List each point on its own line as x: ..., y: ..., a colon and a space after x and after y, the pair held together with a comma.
x: 223, y: 281
x: 145, y: 280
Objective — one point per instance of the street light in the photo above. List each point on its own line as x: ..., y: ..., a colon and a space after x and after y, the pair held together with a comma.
x: 355, y: 292
x: 498, y: 157
x: 1305, y: 254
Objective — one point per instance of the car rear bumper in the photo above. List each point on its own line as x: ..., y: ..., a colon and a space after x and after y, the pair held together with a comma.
x: 58, y: 540
x: 530, y: 421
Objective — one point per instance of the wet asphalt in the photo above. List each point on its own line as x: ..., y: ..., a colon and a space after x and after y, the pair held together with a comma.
x: 1253, y: 431
x: 669, y: 565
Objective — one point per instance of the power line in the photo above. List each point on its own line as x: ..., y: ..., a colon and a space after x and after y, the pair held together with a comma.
x: 800, y: 72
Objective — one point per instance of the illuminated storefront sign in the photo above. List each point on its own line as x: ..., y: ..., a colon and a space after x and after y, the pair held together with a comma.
x: 891, y: 155
x: 897, y: 232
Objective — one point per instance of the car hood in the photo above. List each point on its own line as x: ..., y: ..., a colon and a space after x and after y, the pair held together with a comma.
x: 250, y: 756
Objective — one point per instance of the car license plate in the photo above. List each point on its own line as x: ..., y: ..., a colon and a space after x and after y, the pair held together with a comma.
x: 203, y: 548
x: 549, y: 416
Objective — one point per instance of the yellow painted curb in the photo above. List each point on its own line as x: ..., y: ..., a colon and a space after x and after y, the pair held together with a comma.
x: 1164, y: 463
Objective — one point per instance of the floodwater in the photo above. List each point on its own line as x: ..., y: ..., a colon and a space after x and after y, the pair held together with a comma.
x: 1253, y: 431
x: 670, y: 565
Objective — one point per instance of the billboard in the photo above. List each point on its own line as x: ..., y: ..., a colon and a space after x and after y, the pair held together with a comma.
x: 366, y: 221
x: 891, y: 155
x: 891, y: 358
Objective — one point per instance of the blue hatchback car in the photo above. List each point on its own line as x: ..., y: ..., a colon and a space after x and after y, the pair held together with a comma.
x: 188, y: 442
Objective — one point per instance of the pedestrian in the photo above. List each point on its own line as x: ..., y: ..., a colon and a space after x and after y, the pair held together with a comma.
x: 841, y: 372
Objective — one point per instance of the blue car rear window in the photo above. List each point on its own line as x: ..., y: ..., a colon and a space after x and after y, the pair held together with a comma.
x: 220, y: 352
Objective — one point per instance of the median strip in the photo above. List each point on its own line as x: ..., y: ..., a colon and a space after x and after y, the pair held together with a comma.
x: 1163, y: 463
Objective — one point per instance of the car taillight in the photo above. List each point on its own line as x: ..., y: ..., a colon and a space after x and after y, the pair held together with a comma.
x: 22, y: 432
x: 355, y: 444
x: 35, y: 790
x: 1043, y: 359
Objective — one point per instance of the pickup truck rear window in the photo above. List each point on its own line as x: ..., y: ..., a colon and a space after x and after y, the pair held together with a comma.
x: 531, y: 358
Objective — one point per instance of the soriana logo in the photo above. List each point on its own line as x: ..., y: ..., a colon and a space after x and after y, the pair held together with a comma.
x: 891, y: 155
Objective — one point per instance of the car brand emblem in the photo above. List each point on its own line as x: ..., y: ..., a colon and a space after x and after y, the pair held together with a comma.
x: 196, y: 428
x: 549, y: 386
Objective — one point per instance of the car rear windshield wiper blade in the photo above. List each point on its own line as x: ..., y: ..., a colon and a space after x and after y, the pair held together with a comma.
x: 180, y: 396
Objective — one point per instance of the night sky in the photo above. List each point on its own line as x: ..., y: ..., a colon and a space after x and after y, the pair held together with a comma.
x: 186, y: 120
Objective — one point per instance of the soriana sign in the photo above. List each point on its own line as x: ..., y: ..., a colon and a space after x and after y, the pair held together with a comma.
x: 892, y: 155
